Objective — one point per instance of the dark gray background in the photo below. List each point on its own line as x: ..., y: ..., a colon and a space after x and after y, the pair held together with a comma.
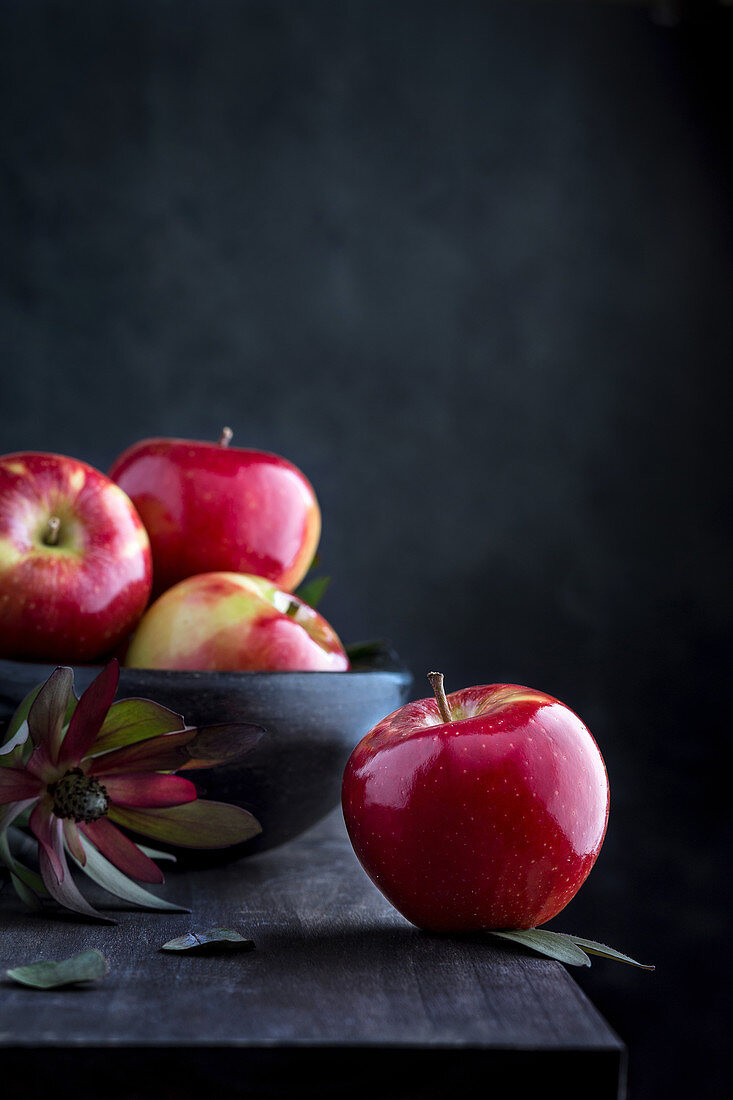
x: 469, y: 265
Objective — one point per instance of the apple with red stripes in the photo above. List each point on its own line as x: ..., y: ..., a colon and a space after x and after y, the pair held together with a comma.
x: 480, y: 810
x: 75, y: 560
x: 232, y: 621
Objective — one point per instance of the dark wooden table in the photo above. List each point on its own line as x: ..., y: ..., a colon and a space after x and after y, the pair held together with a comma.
x: 341, y: 997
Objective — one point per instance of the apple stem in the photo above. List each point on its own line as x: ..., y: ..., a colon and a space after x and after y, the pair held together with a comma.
x: 51, y: 536
x: 436, y: 683
x: 226, y: 437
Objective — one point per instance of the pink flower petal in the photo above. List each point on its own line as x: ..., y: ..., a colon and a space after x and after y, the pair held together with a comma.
x: 89, y: 716
x: 71, y: 839
x: 121, y: 851
x: 149, y: 790
x: 9, y: 813
x: 160, y: 754
x: 64, y: 890
x: 16, y: 784
x: 48, y: 711
x: 48, y: 830
x: 199, y: 824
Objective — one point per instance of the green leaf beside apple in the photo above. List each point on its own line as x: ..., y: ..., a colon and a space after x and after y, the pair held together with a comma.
x: 565, y: 947
x: 210, y: 941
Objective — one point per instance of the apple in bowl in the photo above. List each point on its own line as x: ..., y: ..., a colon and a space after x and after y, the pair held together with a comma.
x: 75, y: 561
x: 209, y: 507
x: 232, y: 621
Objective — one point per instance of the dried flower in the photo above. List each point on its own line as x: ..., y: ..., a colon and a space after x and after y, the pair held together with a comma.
x: 78, y: 769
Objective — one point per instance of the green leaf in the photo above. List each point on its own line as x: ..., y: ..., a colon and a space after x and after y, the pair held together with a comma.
x: 213, y: 940
x: 566, y: 947
x: 24, y: 844
x: 11, y: 752
x: 218, y: 744
x: 48, y: 974
x: 106, y: 875
x: 313, y: 591
x: 133, y: 720
x: 555, y: 945
x: 30, y: 881
x: 199, y: 824
x: 21, y: 714
x: 25, y: 894
x: 606, y: 952
x: 359, y: 651
x: 153, y: 853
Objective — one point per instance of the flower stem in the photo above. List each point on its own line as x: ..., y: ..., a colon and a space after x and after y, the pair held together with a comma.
x: 436, y: 683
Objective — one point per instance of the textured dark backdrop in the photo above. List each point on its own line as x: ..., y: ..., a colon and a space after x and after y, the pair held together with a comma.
x: 469, y: 265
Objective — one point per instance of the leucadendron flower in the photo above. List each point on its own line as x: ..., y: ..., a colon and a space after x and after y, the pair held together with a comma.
x: 74, y: 771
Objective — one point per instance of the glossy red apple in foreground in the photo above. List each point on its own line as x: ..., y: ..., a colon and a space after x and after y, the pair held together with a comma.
x: 75, y: 563
x: 210, y: 507
x: 489, y: 815
x: 221, y: 621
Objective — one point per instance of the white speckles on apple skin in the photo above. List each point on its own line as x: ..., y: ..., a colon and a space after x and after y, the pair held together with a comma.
x: 465, y: 849
x: 64, y: 602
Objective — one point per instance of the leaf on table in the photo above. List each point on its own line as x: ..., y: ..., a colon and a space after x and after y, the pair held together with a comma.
x: 50, y: 974
x: 210, y: 941
x: 556, y: 945
x: 566, y: 947
x: 606, y: 952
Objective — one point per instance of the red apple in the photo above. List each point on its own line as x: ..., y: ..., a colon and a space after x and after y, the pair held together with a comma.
x: 234, y: 621
x: 485, y: 809
x: 75, y: 563
x: 210, y: 507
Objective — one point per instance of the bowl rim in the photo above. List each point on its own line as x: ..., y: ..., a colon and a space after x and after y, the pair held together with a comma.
x: 389, y: 666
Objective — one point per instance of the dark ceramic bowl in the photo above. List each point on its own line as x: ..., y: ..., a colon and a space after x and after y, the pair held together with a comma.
x: 312, y: 721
